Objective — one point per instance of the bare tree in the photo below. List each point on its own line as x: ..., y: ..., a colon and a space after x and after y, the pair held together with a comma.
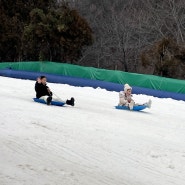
x: 123, y: 30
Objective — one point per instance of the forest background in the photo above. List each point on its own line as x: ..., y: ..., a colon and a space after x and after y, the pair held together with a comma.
x: 140, y: 36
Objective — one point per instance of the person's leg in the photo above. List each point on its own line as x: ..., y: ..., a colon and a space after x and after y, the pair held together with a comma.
x: 148, y: 104
x: 58, y: 99
x: 71, y: 101
x: 47, y: 99
x: 131, y: 105
x: 68, y: 102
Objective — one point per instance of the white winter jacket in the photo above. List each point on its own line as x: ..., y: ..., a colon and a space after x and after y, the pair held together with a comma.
x: 124, y: 99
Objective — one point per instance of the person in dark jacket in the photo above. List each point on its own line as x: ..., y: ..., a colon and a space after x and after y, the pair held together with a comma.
x: 44, y: 92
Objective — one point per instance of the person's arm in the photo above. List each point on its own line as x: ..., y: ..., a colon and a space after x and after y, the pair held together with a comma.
x: 129, y: 99
x: 37, y: 85
x: 122, y: 98
x: 49, y: 91
x: 38, y: 82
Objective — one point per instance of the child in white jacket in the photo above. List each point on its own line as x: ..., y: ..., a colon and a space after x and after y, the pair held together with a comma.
x: 125, y: 98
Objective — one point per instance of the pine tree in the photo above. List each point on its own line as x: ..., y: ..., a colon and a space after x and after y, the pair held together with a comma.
x: 42, y: 30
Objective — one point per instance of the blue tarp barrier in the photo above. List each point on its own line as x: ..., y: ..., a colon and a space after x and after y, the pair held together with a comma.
x: 82, y: 82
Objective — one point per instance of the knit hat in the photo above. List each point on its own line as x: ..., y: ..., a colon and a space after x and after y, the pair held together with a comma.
x: 126, y: 87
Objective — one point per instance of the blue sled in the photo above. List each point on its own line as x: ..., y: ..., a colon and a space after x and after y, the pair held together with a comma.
x: 135, y: 108
x: 56, y: 103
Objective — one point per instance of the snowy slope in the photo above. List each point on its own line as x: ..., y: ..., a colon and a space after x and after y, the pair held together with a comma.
x: 91, y: 143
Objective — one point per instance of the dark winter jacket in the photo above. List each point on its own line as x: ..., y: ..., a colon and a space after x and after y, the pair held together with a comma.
x: 41, y: 90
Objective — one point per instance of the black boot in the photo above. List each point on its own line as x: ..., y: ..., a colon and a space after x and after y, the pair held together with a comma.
x: 49, y: 100
x: 70, y: 102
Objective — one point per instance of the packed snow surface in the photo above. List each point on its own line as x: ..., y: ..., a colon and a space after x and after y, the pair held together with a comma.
x: 91, y: 143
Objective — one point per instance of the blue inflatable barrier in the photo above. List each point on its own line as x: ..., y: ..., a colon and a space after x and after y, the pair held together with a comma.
x: 82, y: 82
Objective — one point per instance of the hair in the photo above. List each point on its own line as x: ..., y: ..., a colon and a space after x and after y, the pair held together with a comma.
x: 41, y: 77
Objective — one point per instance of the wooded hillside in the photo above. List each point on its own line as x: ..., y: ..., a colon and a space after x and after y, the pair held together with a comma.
x: 142, y: 36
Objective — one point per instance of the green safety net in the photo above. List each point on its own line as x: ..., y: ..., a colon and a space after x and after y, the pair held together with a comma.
x: 120, y: 77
